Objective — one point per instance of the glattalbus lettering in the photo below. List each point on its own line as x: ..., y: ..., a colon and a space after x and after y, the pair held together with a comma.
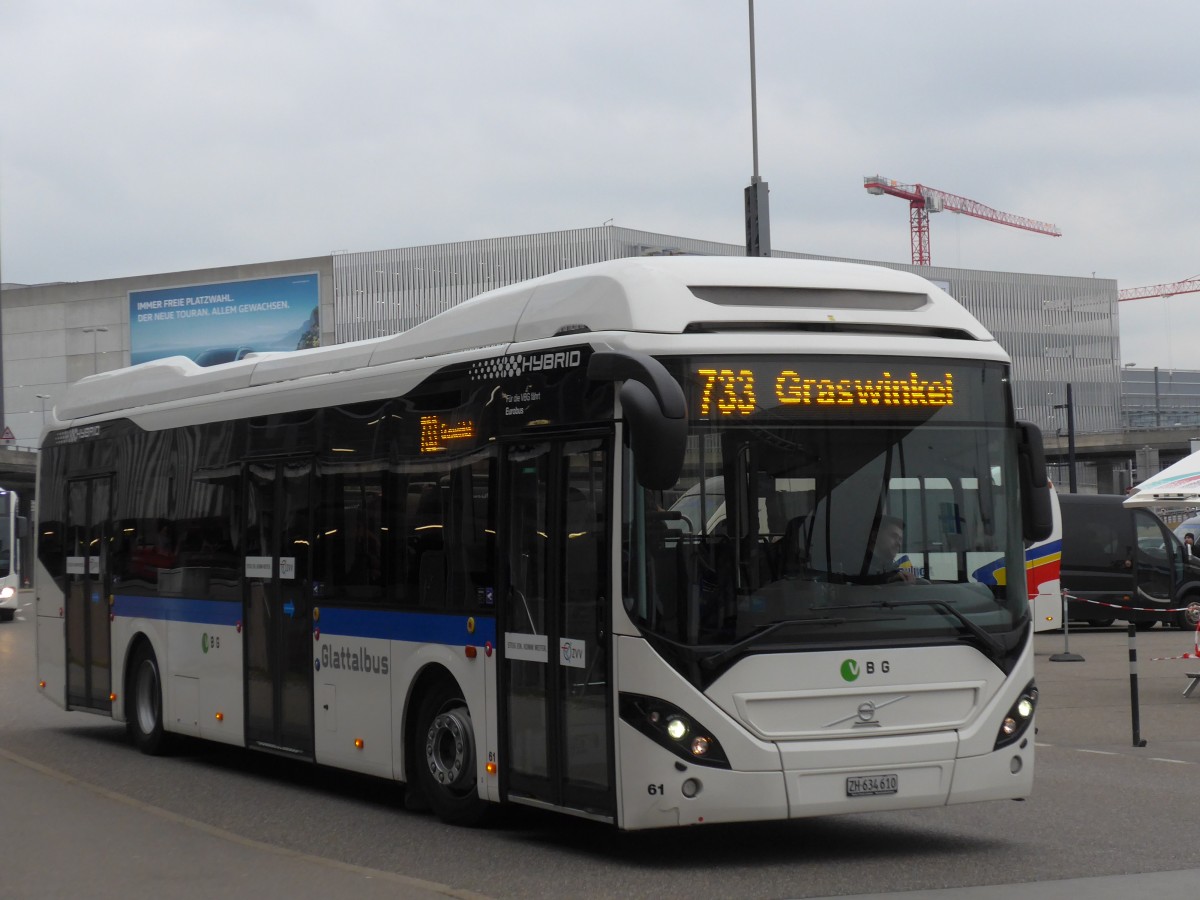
x: 360, y: 660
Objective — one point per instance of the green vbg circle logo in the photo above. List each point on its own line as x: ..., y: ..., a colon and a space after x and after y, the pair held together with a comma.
x: 204, y: 646
x: 850, y: 670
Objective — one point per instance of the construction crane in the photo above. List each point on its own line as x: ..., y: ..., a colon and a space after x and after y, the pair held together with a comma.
x: 924, y: 200
x: 1187, y: 286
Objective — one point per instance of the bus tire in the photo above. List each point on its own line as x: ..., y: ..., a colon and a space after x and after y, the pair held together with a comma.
x: 6, y: 615
x: 446, y: 756
x: 144, y: 702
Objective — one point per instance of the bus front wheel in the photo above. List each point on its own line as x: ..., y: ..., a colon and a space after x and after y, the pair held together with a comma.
x: 144, y: 702
x: 446, y: 760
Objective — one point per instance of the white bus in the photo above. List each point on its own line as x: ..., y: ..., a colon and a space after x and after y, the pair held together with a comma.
x: 449, y: 557
x: 13, y: 533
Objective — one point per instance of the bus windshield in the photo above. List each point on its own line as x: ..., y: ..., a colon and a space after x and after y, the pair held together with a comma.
x: 795, y: 529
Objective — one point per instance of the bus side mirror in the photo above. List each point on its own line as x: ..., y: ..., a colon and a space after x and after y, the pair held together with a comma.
x: 1037, y: 516
x: 656, y: 441
x: 654, y: 409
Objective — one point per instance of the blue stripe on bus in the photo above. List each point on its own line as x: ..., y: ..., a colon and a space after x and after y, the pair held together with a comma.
x: 178, y: 609
x: 428, y: 628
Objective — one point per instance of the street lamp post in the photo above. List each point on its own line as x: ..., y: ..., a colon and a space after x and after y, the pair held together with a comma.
x: 93, y: 330
x: 43, y: 398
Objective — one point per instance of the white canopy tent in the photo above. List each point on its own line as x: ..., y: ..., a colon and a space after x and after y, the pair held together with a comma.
x: 1176, y: 485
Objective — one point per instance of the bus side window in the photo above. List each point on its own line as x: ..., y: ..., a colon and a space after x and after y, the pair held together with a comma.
x: 426, y: 542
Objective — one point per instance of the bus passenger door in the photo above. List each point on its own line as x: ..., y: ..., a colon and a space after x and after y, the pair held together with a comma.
x: 277, y: 614
x: 89, y: 646
x: 555, y: 621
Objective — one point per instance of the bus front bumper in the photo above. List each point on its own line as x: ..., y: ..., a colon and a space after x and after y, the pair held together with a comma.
x: 815, y: 779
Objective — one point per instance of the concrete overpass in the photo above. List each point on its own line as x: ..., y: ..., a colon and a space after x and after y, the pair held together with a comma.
x: 1149, y: 450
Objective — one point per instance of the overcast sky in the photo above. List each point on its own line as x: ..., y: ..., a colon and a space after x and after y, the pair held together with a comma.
x: 140, y: 137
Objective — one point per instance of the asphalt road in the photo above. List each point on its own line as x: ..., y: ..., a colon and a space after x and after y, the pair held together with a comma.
x: 83, y: 813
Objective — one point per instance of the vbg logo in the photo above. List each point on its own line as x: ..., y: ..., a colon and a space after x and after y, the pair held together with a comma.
x: 851, y: 668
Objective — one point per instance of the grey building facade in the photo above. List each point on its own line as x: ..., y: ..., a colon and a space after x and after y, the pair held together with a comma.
x: 1058, y: 329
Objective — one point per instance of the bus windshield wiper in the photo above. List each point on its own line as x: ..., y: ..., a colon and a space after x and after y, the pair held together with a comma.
x: 990, y: 640
x: 734, y: 649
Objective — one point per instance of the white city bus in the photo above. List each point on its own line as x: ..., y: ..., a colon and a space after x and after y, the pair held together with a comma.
x: 450, y: 556
x: 13, y: 531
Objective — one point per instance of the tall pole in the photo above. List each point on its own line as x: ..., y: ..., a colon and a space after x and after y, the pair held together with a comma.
x: 1071, y: 438
x: 1069, y: 406
x: 1157, y: 407
x: 753, y: 100
x: 758, y: 218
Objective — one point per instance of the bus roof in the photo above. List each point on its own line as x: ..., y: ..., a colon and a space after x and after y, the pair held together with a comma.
x: 663, y: 295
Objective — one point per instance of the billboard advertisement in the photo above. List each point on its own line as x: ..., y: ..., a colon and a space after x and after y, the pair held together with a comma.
x: 222, y: 322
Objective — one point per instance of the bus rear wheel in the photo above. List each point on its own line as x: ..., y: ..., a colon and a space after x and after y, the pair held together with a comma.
x: 1189, y: 616
x: 446, y: 757
x: 143, y: 710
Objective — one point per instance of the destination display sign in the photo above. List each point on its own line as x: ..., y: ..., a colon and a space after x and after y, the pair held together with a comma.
x: 849, y: 388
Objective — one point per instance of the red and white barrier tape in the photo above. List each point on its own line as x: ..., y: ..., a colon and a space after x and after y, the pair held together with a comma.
x: 1195, y: 654
x: 1153, y: 609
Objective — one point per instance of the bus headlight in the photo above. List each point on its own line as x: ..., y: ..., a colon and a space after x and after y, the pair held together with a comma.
x: 7, y: 591
x: 669, y: 726
x: 1018, y: 717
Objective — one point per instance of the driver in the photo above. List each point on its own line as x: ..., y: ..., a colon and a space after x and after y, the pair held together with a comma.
x: 889, y: 538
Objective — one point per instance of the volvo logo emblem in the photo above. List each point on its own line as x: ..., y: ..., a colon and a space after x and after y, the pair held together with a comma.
x: 865, y: 714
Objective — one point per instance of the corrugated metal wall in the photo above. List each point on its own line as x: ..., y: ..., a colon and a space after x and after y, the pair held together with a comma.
x: 1058, y: 329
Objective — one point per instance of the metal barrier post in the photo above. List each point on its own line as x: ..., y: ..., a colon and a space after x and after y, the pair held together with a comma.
x: 1133, y: 688
x: 1066, y: 655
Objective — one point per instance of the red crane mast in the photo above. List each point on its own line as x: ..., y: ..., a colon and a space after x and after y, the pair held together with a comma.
x: 923, y: 200
x: 1187, y: 286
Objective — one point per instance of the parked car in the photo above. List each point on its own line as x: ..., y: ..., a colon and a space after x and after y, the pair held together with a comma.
x: 1128, y: 558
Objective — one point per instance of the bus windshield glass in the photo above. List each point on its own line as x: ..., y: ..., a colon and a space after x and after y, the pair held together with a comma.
x: 877, y: 508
